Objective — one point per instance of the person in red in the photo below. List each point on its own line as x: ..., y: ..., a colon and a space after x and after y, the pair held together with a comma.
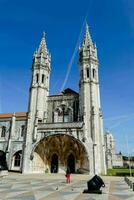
x: 67, y: 176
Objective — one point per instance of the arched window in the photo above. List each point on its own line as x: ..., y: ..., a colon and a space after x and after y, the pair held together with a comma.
x: 87, y: 72
x: 43, y: 78
x: 94, y: 73
x: 37, y: 78
x: 68, y: 115
x: 63, y: 114
x: 3, y: 133
x: 17, y: 159
x: 58, y: 115
x: 81, y: 74
x: 22, y: 130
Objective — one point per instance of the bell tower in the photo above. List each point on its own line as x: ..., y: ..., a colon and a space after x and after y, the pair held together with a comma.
x: 89, y: 98
x: 37, y: 109
x: 39, y: 90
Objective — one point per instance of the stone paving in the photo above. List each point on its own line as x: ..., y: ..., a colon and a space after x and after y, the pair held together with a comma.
x: 53, y: 187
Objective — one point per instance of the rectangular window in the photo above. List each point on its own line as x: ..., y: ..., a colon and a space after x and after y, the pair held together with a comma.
x: 87, y: 72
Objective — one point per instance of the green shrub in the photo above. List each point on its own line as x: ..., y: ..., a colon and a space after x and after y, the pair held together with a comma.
x: 119, y: 172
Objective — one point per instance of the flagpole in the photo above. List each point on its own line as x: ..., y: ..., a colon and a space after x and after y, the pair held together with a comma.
x: 130, y: 170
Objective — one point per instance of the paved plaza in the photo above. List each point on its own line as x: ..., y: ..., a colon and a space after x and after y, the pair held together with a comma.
x: 53, y: 187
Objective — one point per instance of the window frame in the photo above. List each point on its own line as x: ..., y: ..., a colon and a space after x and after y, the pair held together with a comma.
x: 87, y: 72
x: 3, y: 132
x: 22, y: 130
x: 37, y: 78
x: 42, y: 78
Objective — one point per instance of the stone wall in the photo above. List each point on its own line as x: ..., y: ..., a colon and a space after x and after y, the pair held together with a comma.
x: 13, y: 140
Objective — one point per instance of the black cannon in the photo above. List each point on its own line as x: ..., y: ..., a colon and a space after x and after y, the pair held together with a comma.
x: 94, y: 185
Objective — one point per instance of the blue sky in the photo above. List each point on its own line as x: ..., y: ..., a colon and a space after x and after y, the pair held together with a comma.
x: 111, y: 25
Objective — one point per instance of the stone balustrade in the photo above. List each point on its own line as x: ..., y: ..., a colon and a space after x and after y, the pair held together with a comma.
x: 65, y: 125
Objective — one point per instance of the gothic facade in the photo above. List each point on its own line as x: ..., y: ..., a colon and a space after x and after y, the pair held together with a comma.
x: 58, y: 131
x: 113, y: 159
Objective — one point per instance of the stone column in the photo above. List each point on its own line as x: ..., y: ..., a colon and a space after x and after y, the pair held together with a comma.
x: 11, y: 134
x: 27, y: 147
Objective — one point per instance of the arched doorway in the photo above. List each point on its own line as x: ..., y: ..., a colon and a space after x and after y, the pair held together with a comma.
x: 3, y: 163
x: 71, y: 163
x: 16, y: 161
x: 54, y: 163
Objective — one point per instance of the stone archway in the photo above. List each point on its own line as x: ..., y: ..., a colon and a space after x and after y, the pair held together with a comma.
x: 56, y: 153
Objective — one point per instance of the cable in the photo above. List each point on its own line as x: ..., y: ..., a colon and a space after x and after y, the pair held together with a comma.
x: 74, y: 53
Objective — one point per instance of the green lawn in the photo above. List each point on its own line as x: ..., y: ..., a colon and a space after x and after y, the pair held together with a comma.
x: 119, y: 172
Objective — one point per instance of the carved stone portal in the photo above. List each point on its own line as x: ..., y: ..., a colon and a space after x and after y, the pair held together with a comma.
x: 54, y: 154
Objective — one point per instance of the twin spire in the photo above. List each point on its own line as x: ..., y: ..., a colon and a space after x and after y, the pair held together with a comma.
x: 86, y: 42
x: 87, y: 38
x: 43, y: 47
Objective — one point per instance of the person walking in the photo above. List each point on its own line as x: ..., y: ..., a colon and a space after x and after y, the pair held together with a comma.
x: 68, y: 176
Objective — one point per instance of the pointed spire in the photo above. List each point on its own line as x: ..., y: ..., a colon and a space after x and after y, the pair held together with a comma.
x: 87, y: 39
x: 43, y: 47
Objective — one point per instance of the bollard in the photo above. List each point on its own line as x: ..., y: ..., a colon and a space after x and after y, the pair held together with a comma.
x: 133, y: 186
x: 129, y: 182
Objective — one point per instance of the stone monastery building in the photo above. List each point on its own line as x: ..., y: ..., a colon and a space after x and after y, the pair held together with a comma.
x: 59, y: 131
